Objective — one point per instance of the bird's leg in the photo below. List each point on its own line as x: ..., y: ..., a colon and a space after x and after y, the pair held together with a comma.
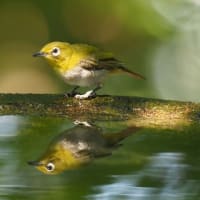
x: 73, y: 92
x: 97, y: 88
x: 89, y: 94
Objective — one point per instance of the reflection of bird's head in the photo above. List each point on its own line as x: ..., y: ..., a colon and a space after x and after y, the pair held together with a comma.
x: 57, y: 159
x: 69, y: 150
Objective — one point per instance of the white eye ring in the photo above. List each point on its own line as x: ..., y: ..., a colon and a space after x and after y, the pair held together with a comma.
x: 55, y: 51
x: 50, y: 167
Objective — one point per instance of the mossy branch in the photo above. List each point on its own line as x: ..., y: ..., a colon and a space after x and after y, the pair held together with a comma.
x: 136, y: 111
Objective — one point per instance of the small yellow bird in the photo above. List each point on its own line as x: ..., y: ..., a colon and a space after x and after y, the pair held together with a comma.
x: 82, y: 65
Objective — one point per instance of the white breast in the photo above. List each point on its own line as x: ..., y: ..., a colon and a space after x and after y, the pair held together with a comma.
x: 83, y: 77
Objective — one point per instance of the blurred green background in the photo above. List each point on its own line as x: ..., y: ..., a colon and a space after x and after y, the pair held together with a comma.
x: 157, y: 38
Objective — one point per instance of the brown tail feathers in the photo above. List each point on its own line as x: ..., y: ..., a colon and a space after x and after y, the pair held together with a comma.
x: 114, y: 65
x: 131, y: 73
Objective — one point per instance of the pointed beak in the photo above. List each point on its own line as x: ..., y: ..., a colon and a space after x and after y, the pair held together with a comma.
x: 34, y: 163
x: 37, y: 54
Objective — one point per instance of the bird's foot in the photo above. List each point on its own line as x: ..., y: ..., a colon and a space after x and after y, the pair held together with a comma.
x: 88, y: 95
x: 71, y: 94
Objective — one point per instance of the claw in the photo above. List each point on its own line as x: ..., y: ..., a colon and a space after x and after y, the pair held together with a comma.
x: 73, y: 93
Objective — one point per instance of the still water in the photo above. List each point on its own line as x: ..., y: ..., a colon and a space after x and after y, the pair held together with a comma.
x: 108, y: 160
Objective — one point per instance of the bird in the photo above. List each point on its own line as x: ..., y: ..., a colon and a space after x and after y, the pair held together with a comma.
x: 78, y: 146
x: 82, y: 65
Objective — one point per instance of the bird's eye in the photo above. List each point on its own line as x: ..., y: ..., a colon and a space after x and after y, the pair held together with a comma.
x: 55, y: 51
x: 50, y: 167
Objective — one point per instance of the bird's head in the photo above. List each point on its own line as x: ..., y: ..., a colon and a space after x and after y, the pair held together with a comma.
x: 56, y: 53
x: 45, y: 166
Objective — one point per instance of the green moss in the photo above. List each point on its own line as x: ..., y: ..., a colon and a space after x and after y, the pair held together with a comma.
x: 138, y: 111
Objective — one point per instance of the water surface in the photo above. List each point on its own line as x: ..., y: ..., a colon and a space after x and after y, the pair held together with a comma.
x: 149, y: 163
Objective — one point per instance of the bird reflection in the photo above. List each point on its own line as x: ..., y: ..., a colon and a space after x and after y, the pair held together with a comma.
x: 78, y: 146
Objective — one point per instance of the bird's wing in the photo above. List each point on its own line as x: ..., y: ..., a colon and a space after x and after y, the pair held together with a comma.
x: 110, y: 64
